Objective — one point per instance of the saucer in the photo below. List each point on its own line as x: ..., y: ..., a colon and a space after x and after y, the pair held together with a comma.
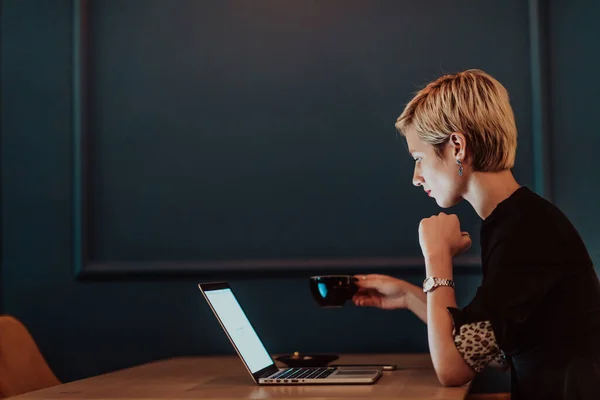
x: 306, y: 360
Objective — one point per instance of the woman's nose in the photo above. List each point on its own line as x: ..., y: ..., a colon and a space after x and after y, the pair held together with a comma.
x: 417, y: 179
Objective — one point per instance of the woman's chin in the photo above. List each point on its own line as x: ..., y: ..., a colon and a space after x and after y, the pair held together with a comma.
x: 446, y: 203
x: 441, y: 204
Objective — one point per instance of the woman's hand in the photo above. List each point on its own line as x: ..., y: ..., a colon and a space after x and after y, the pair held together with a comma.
x: 381, y: 291
x: 441, y: 235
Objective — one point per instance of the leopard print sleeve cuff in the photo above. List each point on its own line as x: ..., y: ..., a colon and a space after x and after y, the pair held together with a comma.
x: 475, y: 342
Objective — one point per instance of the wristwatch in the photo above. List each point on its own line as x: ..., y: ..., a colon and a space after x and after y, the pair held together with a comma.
x: 431, y: 283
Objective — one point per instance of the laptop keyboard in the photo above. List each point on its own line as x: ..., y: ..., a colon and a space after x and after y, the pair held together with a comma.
x: 304, y: 373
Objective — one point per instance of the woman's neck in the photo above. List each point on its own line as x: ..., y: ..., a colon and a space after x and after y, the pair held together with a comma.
x: 486, y: 190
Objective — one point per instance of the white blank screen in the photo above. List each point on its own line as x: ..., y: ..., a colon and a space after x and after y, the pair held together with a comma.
x: 239, y: 329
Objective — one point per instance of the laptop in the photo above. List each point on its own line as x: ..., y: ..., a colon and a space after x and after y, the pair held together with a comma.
x: 257, y: 359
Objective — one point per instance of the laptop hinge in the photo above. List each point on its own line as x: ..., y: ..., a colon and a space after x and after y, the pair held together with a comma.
x: 270, y: 370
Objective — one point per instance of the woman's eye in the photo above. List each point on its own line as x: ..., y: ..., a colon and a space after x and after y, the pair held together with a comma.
x: 417, y: 159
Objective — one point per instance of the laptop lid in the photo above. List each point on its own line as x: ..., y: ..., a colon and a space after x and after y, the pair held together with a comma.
x: 238, y: 328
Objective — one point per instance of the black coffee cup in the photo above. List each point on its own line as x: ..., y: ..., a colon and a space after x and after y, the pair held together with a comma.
x: 333, y: 290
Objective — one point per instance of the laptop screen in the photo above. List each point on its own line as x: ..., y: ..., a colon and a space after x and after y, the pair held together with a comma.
x: 240, y: 330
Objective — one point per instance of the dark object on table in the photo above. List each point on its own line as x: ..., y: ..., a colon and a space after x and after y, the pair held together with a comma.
x: 307, y: 360
x: 333, y: 290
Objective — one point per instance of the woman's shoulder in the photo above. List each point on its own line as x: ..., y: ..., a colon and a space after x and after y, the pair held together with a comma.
x: 529, y: 229
x: 524, y: 206
x: 527, y: 215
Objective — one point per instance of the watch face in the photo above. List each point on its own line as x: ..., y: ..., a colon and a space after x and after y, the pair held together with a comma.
x: 428, y: 285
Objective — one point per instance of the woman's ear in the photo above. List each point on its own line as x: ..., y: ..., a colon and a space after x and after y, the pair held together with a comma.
x: 459, y: 145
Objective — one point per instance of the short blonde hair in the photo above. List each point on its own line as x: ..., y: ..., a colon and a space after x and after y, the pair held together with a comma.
x: 473, y: 103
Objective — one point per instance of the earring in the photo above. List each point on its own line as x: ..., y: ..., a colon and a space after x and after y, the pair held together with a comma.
x: 460, y: 167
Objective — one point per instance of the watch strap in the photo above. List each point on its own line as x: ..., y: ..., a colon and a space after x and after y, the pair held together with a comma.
x: 437, y: 282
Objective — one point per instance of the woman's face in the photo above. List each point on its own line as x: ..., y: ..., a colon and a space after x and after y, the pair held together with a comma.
x: 437, y: 176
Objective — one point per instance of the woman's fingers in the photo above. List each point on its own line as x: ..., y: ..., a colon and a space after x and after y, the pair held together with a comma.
x: 367, y: 292
x: 367, y: 298
x: 371, y: 281
x: 465, y: 242
x: 366, y: 301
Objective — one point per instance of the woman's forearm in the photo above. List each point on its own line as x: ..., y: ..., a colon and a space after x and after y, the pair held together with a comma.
x: 450, y: 367
x: 416, y: 301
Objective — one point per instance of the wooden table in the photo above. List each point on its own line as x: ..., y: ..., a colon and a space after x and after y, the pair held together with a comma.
x: 224, y: 377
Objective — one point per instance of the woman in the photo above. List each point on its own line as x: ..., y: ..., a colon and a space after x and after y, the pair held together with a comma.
x: 537, y: 310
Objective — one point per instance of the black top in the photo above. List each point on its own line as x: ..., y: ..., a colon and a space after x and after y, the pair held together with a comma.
x: 542, y: 296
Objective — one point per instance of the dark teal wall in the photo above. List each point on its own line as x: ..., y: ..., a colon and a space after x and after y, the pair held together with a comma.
x: 89, y: 328
x: 575, y: 62
x: 245, y: 131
